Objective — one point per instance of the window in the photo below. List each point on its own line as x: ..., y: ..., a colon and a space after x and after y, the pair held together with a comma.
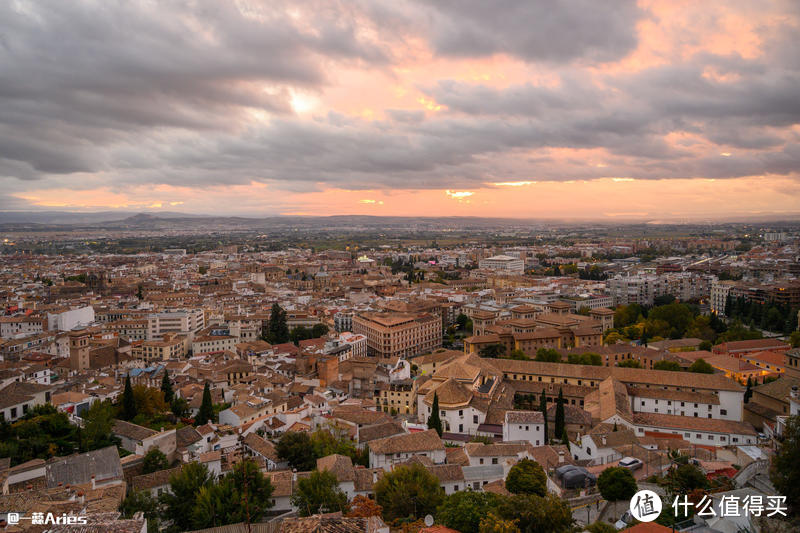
x: 723, y: 412
x: 527, y: 428
x: 474, y: 419
x: 460, y: 412
x: 494, y: 460
x: 13, y: 412
x: 481, y: 460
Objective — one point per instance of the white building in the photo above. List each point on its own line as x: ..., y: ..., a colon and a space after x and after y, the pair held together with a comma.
x: 503, y: 263
x: 11, y: 326
x: 719, y: 295
x: 383, y: 453
x: 68, y: 320
x: 525, y: 426
x: 185, y: 322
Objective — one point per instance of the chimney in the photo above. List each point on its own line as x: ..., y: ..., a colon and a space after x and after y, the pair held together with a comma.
x: 94, y: 485
x: 81, y: 497
x: 294, y: 475
x: 794, y: 394
x: 560, y: 456
x: 603, y: 439
x: 374, y: 476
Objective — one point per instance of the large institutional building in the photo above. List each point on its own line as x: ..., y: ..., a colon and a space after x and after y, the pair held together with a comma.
x: 503, y: 263
x: 399, y: 335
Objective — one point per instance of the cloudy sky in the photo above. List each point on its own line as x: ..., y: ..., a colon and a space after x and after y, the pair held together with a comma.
x: 529, y: 108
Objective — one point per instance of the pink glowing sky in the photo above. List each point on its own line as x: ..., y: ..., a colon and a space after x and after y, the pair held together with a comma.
x: 576, y: 109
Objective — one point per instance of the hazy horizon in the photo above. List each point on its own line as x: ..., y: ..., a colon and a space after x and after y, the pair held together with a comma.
x: 621, y: 110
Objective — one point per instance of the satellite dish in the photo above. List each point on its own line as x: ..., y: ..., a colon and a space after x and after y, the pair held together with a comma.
x: 428, y: 520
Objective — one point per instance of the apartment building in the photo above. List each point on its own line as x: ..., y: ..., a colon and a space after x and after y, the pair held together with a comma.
x: 20, y: 325
x: 184, y: 322
x: 171, y: 347
x: 399, y: 335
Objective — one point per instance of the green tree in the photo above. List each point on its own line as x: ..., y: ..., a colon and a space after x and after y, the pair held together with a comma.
x: 243, y: 495
x: 706, y: 345
x: 434, y: 421
x: 408, y: 491
x: 142, y: 501
x: 154, y: 460
x: 543, y: 409
x: 701, y: 367
x: 128, y: 401
x: 785, y: 469
x: 278, y: 330
x: 601, y: 527
x: 319, y: 330
x: 206, y: 412
x: 494, y: 523
x: 295, y: 448
x: 492, y: 351
x: 559, y: 421
x: 97, y: 424
x: 794, y: 339
x: 537, y: 514
x: 462, y: 320
x: 672, y: 366
x: 527, y: 477
x: 518, y: 355
x: 166, y: 387
x: 319, y: 493
x: 548, y: 355
x: 179, y: 501
x: 685, y: 478
x: 629, y: 363
x: 179, y: 407
x: 616, y: 483
x: 463, y: 510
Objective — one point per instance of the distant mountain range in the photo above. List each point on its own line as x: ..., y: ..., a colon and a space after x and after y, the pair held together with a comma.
x: 20, y: 220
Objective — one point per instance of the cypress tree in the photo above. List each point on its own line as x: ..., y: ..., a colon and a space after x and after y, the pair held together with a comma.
x: 559, y: 429
x: 166, y: 387
x: 278, y: 330
x: 128, y: 402
x: 543, y: 409
x: 434, y: 421
x: 749, y: 391
x: 206, y: 412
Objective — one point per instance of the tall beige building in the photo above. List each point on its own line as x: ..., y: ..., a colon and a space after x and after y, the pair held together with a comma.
x: 395, y: 335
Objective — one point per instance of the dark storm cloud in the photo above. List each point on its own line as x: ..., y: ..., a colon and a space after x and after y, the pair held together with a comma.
x: 82, y: 72
x: 534, y: 30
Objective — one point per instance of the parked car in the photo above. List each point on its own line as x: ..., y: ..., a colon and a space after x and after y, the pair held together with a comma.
x: 625, y: 520
x: 631, y: 463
